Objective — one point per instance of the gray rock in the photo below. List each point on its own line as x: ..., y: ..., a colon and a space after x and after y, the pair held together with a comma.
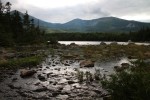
x: 27, y: 73
x: 41, y: 78
x: 41, y: 89
x: 86, y: 63
x: 71, y: 82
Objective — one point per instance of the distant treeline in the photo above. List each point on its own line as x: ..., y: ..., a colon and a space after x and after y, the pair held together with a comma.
x: 16, y: 29
x: 141, y: 36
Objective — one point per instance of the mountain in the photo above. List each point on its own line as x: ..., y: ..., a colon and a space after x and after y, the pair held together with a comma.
x: 105, y: 24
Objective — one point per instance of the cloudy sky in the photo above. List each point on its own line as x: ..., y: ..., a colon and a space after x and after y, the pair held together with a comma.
x: 61, y: 11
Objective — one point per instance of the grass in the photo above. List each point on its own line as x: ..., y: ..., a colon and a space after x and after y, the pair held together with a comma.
x: 21, y: 62
x: 88, y: 77
x: 108, y: 51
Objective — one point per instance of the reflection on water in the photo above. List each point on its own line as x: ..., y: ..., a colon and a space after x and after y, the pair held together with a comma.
x: 105, y: 67
x: 97, y: 43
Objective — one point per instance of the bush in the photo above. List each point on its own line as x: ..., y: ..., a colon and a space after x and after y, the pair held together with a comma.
x: 131, y: 85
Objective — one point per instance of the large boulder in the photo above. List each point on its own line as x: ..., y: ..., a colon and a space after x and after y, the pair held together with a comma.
x: 86, y: 63
x: 27, y: 73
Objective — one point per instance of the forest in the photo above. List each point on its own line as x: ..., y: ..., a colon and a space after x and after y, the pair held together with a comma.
x: 143, y: 35
x: 15, y: 30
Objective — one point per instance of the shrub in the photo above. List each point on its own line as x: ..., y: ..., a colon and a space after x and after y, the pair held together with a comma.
x: 131, y: 85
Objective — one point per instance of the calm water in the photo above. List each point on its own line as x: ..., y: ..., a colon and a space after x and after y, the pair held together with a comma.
x: 97, y: 43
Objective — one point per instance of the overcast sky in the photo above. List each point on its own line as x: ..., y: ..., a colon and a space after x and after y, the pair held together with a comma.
x: 61, y: 11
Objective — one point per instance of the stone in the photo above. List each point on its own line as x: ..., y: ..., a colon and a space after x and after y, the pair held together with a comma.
x: 68, y: 56
x: 66, y: 64
x: 41, y: 89
x: 14, y: 79
x: 102, y: 43
x: 86, y: 63
x: 36, y: 84
x: 62, y: 97
x: 48, y: 74
x: 71, y: 82
x: 107, y: 98
x: 114, y: 43
x: 27, y: 73
x: 54, y: 94
x: 13, y: 86
x: 97, y: 91
x: 41, y: 78
x: 125, y: 65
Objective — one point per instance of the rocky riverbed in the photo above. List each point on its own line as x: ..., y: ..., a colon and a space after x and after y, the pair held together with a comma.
x: 54, y: 79
x: 57, y: 77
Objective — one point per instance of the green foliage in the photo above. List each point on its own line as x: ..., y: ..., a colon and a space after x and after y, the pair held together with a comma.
x: 89, y: 76
x: 21, y: 62
x: 80, y: 76
x: 131, y: 85
x: 97, y: 74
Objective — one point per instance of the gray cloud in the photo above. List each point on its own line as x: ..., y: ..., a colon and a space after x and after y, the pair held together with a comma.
x: 126, y: 7
x: 97, y: 9
x: 67, y: 13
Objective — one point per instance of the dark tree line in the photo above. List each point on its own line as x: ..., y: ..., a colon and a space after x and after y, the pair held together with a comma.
x: 140, y: 36
x: 17, y: 30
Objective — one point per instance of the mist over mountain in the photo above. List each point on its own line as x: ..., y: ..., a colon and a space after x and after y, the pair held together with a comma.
x: 105, y: 24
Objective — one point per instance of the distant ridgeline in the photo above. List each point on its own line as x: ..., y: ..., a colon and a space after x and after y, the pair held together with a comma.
x: 16, y: 29
x: 105, y: 24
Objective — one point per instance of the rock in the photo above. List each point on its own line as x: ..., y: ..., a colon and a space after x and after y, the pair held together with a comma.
x: 13, y: 86
x: 14, y: 79
x: 48, y: 74
x: 86, y: 63
x: 114, y: 43
x: 116, y: 67
x: 66, y: 64
x: 130, y: 42
x: 41, y: 78
x: 68, y: 56
x: 27, y: 73
x: 107, y: 98
x: 54, y: 94
x: 62, y: 97
x: 41, y: 89
x: 10, y: 55
x: 125, y: 65
x: 147, y: 54
x: 102, y: 43
x: 71, y: 82
x: 97, y: 91
x: 55, y: 83
x: 36, y: 84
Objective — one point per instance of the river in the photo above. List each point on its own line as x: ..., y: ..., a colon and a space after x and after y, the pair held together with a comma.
x: 98, y: 43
